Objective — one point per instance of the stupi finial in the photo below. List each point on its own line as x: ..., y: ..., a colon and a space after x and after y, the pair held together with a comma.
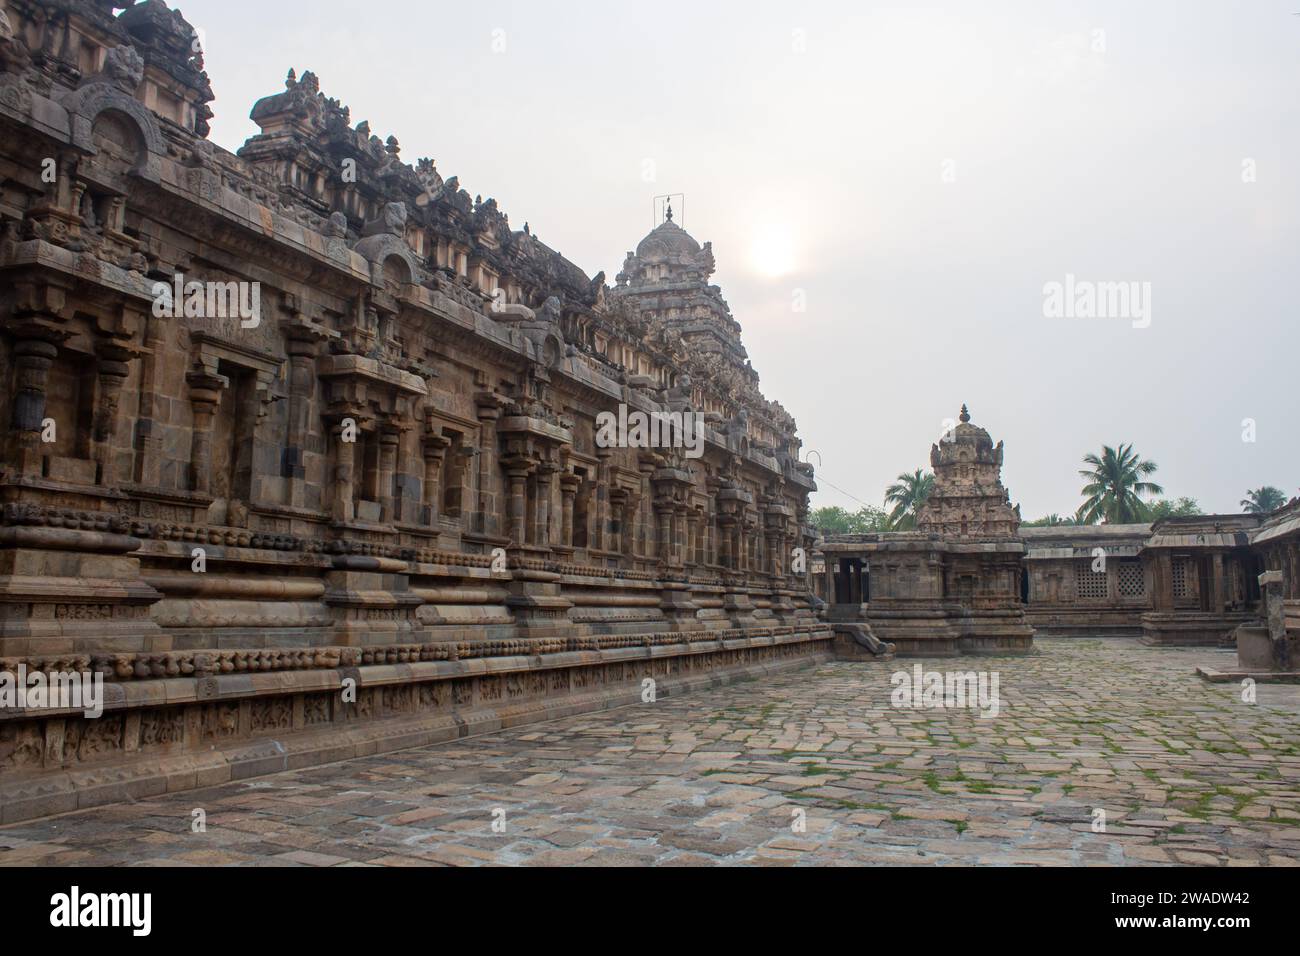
x: 669, y: 214
x: 965, y: 415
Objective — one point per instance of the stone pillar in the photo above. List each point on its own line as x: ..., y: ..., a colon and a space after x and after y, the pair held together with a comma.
x: 1270, y: 583
x: 1163, y: 580
x: 680, y: 544
x: 600, y: 500
x: 829, y: 560
x: 542, y: 533
x: 302, y: 382
x: 644, y: 526
x: 388, y: 442
x: 518, y: 468
x: 112, y: 371
x: 568, y: 491
x: 775, y: 564
x: 664, y: 512
x: 489, y: 411
x: 1217, y: 590
x: 148, y: 441
x: 627, y: 526
x: 462, y: 460
x: 32, y: 360
x: 615, y: 499
x: 435, y: 447
x: 726, y: 537
x: 344, y: 507
x: 205, y: 394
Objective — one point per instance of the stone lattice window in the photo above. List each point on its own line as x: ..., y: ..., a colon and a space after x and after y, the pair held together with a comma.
x: 1091, y: 584
x: 1132, y: 583
x: 1181, y: 578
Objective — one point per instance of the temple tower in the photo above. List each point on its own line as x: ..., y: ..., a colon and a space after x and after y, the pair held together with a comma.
x: 969, y: 499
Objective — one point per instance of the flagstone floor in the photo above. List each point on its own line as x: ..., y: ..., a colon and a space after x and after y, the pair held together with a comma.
x: 813, y: 767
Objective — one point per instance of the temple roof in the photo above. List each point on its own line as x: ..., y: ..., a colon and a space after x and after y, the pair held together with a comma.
x: 966, y: 442
x: 667, y: 241
x: 968, y: 497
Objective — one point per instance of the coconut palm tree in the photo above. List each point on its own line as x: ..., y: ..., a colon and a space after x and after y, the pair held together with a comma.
x: 907, y: 495
x: 1263, y: 500
x: 1115, y: 486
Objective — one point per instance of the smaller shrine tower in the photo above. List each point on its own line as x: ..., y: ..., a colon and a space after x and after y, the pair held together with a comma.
x: 969, y: 499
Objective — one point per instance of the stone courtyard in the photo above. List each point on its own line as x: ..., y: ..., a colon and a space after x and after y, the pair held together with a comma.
x: 1185, y: 772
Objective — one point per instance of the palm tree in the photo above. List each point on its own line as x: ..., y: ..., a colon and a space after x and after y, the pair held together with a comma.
x: 1115, y: 486
x: 1263, y: 500
x: 907, y: 495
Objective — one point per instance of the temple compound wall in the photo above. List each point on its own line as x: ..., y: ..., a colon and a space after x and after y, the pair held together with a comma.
x: 1182, y: 581
x: 1086, y: 581
x: 1204, y: 577
x: 1191, y: 580
x: 303, y: 454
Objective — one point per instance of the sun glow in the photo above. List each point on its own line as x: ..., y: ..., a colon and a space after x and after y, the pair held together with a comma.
x: 771, y: 250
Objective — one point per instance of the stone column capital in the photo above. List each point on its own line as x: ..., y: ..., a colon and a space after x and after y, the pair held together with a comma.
x: 518, y: 466
x: 435, y: 446
x: 205, y: 385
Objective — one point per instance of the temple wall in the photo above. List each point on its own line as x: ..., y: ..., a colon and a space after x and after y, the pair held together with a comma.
x: 1068, y: 598
x: 928, y: 596
x: 389, y: 473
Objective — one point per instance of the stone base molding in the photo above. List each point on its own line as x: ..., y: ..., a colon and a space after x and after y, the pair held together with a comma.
x: 163, y: 732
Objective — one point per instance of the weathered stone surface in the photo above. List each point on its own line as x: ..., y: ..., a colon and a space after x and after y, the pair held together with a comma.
x: 1086, y: 726
x: 952, y: 586
x: 307, y: 415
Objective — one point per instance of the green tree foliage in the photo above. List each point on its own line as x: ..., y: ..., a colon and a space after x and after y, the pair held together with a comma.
x: 1173, y: 508
x: 836, y: 520
x: 906, y: 496
x: 1263, y: 500
x: 1053, y: 520
x: 1115, y: 486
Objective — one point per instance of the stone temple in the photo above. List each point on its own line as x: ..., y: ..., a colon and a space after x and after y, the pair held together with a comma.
x: 387, y: 473
x: 304, y: 460
x: 971, y: 579
x: 952, y: 585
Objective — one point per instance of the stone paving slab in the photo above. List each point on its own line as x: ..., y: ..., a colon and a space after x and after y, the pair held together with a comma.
x: 814, y: 767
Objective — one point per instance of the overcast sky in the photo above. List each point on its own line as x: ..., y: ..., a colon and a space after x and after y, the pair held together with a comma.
x: 915, y: 176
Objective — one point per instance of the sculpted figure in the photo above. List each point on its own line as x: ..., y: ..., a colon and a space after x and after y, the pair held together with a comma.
x: 337, y: 226
x: 124, y: 68
x: 395, y: 217
x: 550, y: 310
